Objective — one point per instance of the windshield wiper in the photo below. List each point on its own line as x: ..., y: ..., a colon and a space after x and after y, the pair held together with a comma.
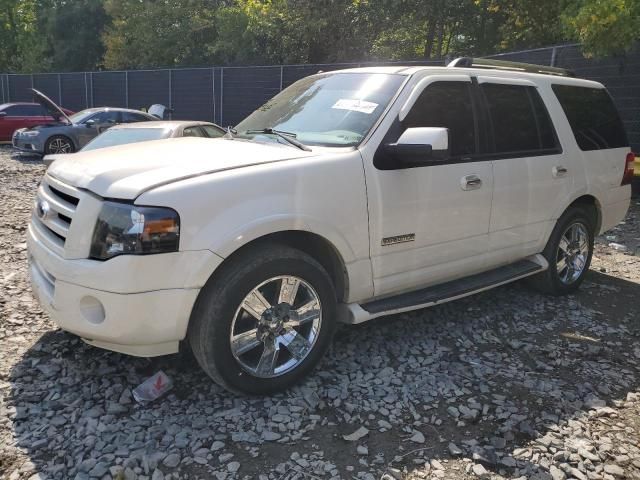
x: 286, y: 136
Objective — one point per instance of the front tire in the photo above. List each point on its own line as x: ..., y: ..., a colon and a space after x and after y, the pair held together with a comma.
x: 59, y: 144
x: 264, y: 321
x: 568, y: 251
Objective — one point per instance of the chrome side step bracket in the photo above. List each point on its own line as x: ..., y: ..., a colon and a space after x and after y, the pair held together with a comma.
x: 445, y: 292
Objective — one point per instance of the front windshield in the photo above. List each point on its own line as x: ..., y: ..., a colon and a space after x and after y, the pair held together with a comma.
x: 82, y: 115
x: 121, y: 136
x: 335, y: 110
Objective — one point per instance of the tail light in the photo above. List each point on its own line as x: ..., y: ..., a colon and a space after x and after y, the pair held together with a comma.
x: 627, y: 178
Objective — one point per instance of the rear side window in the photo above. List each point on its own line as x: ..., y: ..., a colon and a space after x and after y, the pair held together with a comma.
x: 25, y: 111
x: 593, y: 117
x: 130, y: 117
x: 520, y: 119
x: 448, y: 105
x: 192, y: 132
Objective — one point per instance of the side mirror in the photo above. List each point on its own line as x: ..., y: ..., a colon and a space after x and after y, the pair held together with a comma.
x: 420, y: 144
x: 3, y: 114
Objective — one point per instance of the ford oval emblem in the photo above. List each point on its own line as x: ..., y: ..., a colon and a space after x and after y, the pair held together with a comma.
x: 42, y: 209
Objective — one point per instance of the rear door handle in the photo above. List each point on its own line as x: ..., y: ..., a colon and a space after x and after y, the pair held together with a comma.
x: 471, y: 182
x: 559, y: 171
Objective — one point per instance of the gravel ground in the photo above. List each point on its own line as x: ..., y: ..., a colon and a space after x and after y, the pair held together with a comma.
x: 505, y: 384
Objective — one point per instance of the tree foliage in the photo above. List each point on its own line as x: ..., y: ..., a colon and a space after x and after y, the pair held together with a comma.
x: 68, y: 35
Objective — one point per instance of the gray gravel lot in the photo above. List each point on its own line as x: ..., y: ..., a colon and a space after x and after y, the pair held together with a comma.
x: 505, y: 384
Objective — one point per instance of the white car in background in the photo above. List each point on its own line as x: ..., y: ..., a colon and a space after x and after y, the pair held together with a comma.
x: 350, y: 195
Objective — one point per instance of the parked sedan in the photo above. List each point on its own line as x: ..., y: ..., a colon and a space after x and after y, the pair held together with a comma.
x: 71, y: 133
x: 14, y: 116
x: 148, y: 131
x: 145, y: 131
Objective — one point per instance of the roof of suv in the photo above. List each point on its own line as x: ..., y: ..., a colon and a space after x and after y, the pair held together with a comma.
x: 494, y: 72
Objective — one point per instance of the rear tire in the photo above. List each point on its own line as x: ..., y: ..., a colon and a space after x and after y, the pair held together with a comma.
x: 264, y: 321
x: 568, y: 251
x: 58, y: 144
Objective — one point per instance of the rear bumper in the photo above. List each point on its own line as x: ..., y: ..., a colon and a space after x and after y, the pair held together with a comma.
x: 148, y: 320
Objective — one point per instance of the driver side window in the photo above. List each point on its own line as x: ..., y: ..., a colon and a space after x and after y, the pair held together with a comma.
x: 448, y: 105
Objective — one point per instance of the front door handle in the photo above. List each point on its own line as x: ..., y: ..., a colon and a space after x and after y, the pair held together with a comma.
x: 470, y: 182
x: 559, y: 171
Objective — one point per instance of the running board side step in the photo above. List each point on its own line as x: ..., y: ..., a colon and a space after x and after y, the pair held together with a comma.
x: 445, y: 292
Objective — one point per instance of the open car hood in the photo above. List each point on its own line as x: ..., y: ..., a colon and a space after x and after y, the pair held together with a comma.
x: 54, y: 110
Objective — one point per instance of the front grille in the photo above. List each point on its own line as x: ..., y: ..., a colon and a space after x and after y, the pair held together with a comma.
x: 54, y: 210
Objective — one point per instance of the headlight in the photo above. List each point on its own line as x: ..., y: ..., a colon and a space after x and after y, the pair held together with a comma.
x: 129, y: 229
x: 30, y: 133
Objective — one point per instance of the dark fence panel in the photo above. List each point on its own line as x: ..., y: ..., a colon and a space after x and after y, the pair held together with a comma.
x: 74, y: 89
x: 19, y: 88
x: 109, y: 89
x: 192, y: 95
x: 48, y: 84
x: 148, y: 87
x: 226, y: 95
x: 245, y: 89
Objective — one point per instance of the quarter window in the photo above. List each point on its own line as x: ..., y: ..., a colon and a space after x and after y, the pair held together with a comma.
x: 519, y: 118
x: 592, y: 116
x: 448, y: 105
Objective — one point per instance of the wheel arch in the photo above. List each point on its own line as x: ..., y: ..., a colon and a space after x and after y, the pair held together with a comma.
x: 313, y: 244
x: 590, y: 203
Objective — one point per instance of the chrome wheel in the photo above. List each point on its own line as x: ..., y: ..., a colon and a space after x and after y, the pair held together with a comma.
x: 276, y: 326
x: 573, y: 253
x: 60, y: 145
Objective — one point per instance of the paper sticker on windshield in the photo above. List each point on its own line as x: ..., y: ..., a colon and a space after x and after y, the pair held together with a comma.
x: 355, y: 105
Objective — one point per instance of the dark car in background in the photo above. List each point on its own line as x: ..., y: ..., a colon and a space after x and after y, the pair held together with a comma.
x: 70, y: 133
x: 14, y: 116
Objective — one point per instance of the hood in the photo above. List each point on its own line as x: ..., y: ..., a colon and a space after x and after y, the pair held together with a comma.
x: 54, y: 110
x: 126, y: 171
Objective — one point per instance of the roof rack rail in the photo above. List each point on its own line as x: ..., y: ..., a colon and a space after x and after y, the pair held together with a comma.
x: 468, y: 62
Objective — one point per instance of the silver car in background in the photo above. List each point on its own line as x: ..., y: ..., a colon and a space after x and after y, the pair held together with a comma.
x: 148, y: 131
x: 68, y: 134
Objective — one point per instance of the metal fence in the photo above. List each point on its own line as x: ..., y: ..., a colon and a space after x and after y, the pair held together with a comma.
x: 225, y: 95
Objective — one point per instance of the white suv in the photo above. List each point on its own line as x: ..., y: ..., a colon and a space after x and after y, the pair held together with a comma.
x: 350, y: 195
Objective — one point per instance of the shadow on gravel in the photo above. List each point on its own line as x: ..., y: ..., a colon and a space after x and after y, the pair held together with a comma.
x: 24, y: 157
x: 494, y: 377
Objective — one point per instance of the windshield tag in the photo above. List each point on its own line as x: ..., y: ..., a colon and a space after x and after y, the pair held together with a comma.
x: 355, y: 105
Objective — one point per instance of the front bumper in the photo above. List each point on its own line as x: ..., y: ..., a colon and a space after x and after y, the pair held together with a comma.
x: 28, y: 144
x: 111, y: 305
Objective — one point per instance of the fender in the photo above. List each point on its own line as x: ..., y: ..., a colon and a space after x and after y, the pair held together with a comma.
x: 225, y: 245
x: 359, y: 273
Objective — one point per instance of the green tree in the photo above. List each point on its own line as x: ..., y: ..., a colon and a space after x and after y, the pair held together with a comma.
x: 72, y: 33
x: 160, y: 33
x: 20, y: 46
x: 604, y: 27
